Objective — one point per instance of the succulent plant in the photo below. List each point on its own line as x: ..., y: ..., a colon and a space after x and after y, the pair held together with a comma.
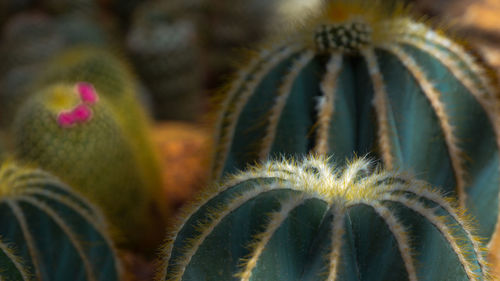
x: 357, y: 79
x: 310, y: 220
x: 31, y: 39
x: 165, y: 51
x: 70, y: 131
x: 50, y: 233
x: 114, y: 81
x: 11, y: 265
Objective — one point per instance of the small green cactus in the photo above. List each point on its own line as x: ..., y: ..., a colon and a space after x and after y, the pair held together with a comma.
x: 113, y: 80
x: 309, y: 220
x: 70, y: 131
x: 50, y: 233
x: 358, y: 79
x: 166, y: 54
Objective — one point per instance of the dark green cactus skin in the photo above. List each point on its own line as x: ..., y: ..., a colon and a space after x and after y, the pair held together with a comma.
x: 431, y: 113
x: 95, y: 157
x: 56, y: 234
x: 11, y: 265
x: 165, y: 51
x: 311, y: 221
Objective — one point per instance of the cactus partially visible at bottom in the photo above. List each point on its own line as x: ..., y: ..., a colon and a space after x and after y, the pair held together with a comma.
x: 12, y: 268
x: 308, y: 220
x: 50, y: 233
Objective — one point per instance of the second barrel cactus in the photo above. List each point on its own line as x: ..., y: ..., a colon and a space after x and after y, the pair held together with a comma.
x: 309, y: 220
x: 358, y: 78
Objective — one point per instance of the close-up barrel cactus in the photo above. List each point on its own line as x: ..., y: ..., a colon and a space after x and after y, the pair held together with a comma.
x: 50, y: 233
x: 360, y: 78
x: 310, y: 220
x: 72, y: 132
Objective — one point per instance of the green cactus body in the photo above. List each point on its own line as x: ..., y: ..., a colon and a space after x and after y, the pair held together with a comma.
x: 55, y: 233
x: 113, y: 81
x: 11, y: 265
x: 166, y: 53
x: 82, y: 142
x: 308, y: 220
x: 359, y: 80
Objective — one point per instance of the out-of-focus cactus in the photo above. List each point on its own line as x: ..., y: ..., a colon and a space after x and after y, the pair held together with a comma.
x: 75, y: 134
x: 56, y: 234
x: 359, y: 79
x: 30, y: 40
x: 165, y: 51
x: 114, y: 81
x: 308, y: 220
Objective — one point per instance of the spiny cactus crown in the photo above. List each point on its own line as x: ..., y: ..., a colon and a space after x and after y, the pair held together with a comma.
x: 345, y: 37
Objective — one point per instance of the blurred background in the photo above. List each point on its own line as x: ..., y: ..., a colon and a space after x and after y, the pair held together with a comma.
x: 181, y: 53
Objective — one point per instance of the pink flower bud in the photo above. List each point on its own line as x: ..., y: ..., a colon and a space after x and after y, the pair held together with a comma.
x: 81, y: 113
x: 65, y: 119
x: 87, y: 92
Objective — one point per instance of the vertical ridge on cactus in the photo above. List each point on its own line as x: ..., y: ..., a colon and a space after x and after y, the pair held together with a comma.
x: 433, y: 105
x: 12, y: 266
x: 57, y: 233
x: 310, y: 220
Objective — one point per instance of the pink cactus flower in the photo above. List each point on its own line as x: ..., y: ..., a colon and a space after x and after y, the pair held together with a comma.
x: 87, y: 92
x: 81, y: 113
x: 66, y: 119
